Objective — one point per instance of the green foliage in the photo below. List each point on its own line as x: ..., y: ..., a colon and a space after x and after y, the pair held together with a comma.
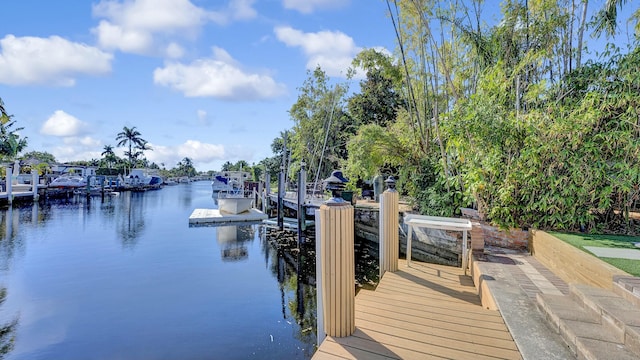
x: 378, y: 101
x: 429, y: 188
x: 10, y: 142
x: 321, y: 126
x: 131, y: 137
x: 185, y: 168
x: 369, y: 151
x: 40, y: 156
x: 563, y: 165
x: 506, y: 119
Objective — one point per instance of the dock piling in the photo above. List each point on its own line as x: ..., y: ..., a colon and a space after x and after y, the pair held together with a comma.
x: 35, y: 180
x: 9, y: 182
x: 337, y: 275
x: 302, y: 192
x: 281, y: 184
x: 389, y: 245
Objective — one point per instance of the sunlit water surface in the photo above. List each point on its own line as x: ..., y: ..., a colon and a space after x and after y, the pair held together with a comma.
x: 127, y: 278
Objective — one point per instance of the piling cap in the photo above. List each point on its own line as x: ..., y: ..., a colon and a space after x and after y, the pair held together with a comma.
x: 335, y: 183
x: 391, y: 182
x: 338, y: 174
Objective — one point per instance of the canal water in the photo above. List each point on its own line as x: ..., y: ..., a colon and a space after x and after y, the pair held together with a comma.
x: 127, y: 278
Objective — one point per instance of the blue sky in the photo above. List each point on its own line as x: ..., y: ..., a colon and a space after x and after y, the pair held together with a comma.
x: 204, y: 79
x: 209, y: 80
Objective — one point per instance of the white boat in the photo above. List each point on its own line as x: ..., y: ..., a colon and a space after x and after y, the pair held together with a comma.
x: 141, y: 177
x: 170, y: 182
x: 229, y: 180
x: 235, y: 202
x: 68, y: 181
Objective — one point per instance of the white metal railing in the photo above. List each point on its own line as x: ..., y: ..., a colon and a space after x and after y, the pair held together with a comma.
x: 442, y: 223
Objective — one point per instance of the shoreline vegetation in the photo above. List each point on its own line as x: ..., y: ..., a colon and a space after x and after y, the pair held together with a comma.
x: 522, y: 119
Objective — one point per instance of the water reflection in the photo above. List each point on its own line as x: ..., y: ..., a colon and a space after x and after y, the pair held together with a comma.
x: 80, y: 293
x: 295, y: 271
x: 11, y: 243
x: 131, y: 223
x: 232, y: 240
x: 7, y: 331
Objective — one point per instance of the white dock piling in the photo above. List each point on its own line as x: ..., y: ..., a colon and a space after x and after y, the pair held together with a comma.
x: 35, y: 180
x: 9, y: 183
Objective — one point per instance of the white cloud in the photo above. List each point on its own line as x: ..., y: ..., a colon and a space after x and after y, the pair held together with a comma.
x: 63, y: 125
x: 333, y: 51
x: 145, y: 26
x: 52, y: 61
x: 74, y: 153
x: 197, y: 151
x: 203, y: 118
x: 85, y: 141
x: 75, y: 148
x: 174, y: 51
x: 220, y: 77
x: 308, y: 6
x: 240, y: 10
x: 126, y: 40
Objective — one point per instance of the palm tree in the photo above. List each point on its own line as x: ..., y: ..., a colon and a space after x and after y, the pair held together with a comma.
x: 109, y: 155
x: 130, y: 137
x: 10, y: 142
x: 606, y: 20
x: 139, y: 152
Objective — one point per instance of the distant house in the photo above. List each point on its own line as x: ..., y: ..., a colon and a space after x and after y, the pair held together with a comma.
x: 65, y: 169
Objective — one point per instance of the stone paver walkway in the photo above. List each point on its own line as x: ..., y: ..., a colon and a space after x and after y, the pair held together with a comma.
x: 514, y: 278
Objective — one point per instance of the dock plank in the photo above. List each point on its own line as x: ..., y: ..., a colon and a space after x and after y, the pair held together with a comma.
x: 426, y: 311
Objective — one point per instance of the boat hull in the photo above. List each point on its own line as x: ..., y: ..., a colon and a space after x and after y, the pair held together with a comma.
x: 234, y: 205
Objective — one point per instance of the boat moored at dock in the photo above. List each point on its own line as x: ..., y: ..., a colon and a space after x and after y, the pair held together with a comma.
x: 229, y: 180
x: 142, y: 177
x: 235, y: 202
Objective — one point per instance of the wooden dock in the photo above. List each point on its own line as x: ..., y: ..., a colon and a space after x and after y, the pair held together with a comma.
x: 214, y: 216
x: 424, y: 312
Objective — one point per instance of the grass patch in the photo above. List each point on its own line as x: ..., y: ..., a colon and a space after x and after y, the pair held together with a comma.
x: 607, y: 241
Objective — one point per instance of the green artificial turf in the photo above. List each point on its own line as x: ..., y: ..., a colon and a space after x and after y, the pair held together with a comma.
x: 609, y: 241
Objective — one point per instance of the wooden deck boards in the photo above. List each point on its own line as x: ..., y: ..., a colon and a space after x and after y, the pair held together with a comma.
x: 424, y: 312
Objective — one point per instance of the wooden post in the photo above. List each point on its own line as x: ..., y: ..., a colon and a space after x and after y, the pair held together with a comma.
x: 319, y: 293
x: 389, y: 245
x: 267, y: 191
x: 302, y: 192
x: 281, y: 200
x: 88, y: 185
x: 409, y: 236
x: 338, y: 267
x: 258, y: 195
x: 34, y: 213
x: 465, y: 252
x: 8, y: 182
x: 35, y: 180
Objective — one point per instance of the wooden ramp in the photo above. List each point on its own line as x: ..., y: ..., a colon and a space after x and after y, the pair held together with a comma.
x: 424, y: 312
